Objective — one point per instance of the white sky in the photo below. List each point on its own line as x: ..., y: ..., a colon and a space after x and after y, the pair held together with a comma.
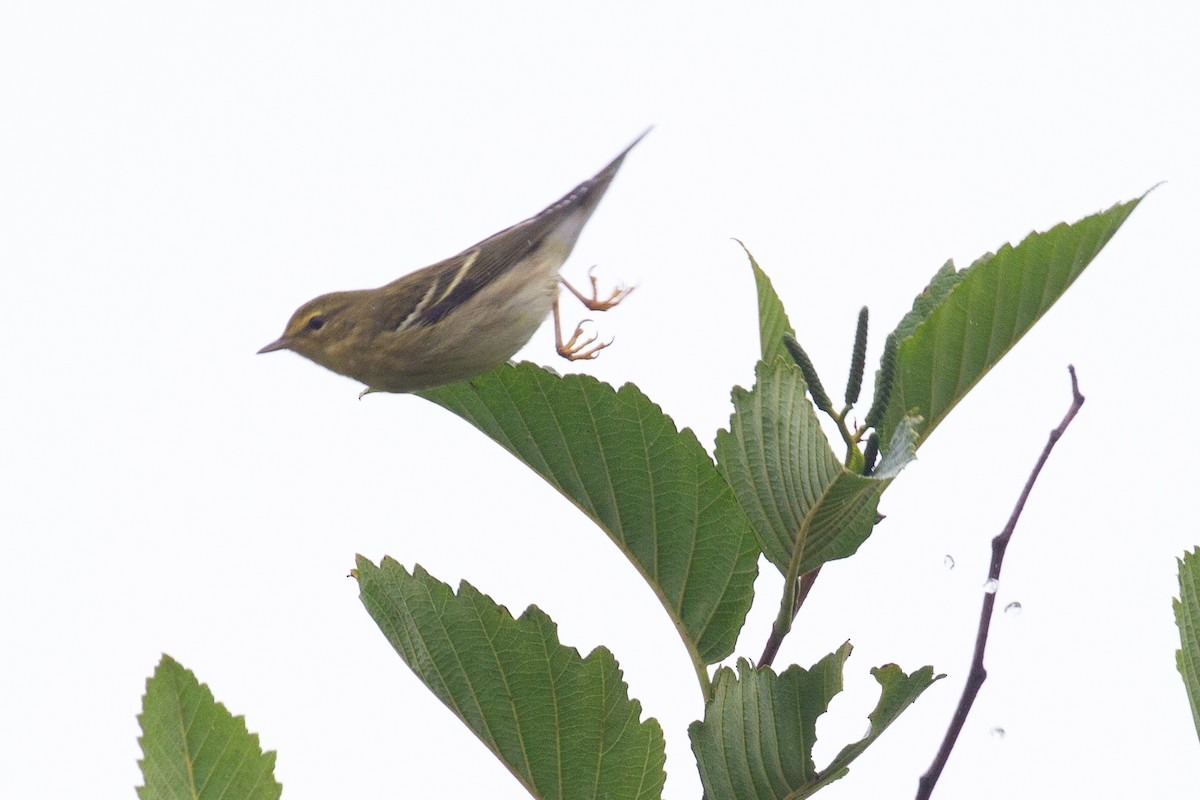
x: 175, y: 178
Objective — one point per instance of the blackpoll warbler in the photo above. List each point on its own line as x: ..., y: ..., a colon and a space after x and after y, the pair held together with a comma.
x: 459, y: 317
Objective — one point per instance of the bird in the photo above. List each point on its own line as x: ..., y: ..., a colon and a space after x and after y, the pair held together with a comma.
x: 462, y: 316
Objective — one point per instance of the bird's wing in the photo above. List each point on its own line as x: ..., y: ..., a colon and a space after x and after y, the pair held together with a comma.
x: 430, y: 294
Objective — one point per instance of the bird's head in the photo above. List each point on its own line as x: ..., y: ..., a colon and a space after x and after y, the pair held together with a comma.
x: 321, y: 330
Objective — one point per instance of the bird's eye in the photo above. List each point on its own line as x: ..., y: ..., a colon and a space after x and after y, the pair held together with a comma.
x: 315, y: 323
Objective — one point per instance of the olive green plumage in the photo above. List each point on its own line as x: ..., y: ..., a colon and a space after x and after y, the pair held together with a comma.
x: 454, y: 319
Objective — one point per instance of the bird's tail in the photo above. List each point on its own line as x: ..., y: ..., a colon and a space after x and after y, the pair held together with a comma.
x: 577, y: 205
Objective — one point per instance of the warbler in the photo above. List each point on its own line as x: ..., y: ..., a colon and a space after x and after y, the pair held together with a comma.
x: 462, y: 316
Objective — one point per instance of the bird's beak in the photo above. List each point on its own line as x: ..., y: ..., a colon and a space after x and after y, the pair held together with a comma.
x: 282, y: 343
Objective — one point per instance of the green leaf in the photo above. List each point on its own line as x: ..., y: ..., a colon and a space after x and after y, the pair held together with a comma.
x: 964, y: 322
x: 796, y: 492
x: 563, y: 725
x: 898, y: 692
x: 756, y: 740
x: 1187, y: 618
x: 942, y: 283
x: 194, y: 749
x: 772, y: 318
x: 653, y: 489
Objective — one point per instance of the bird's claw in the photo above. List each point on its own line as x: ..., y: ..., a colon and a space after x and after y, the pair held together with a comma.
x: 575, y: 350
x: 594, y: 303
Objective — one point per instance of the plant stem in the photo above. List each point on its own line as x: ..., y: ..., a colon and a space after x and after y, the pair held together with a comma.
x: 783, y: 623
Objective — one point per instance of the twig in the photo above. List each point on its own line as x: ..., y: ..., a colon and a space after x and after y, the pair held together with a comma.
x: 978, y: 672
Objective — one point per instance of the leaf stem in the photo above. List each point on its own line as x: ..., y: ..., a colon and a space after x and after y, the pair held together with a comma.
x: 703, y: 677
x: 795, y: 591
x: 840, y: 419
x: 783, y: 622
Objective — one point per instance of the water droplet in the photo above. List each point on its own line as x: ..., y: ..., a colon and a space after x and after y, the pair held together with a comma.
x: 991, y: 585
x: 948, y: 561
x: 997, y: 733
x: 1013, y: 608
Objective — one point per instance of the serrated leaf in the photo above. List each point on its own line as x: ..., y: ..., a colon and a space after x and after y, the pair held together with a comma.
x: 940, y: 285
x: 652, y: 488
x: 897, y: 692
x: 1187, y: 619
x: 793, y: 488
x: 772, y: 318
x: 564, y: 725
x: 193, y: 748
x: 759, y: 729
x: 757, y: 736
x: 964, y: 322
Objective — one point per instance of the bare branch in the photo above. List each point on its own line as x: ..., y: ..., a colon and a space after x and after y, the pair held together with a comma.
x: 978, y: 672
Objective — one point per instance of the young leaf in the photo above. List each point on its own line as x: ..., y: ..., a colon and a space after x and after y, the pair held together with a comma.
x: 964, y: 322
x: 796, y: 492
x: 564, y: 725
x: 756, y: 740
x: 653, y: 489
x: 193, y: 748
x: 1187, y: 618
x: 772, y: 318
